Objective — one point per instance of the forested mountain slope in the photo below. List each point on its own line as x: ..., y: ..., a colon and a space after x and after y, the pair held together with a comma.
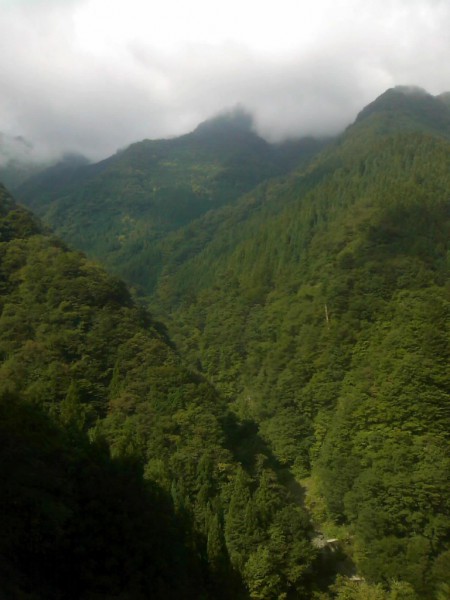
x: 123, y: 473
x: 319, y: 305
x: 398, y: 110
x: 118, y: 210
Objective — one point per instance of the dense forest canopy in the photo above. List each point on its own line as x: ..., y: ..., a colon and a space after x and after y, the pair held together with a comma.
x: 320, y: 308
x: 124, y: 472
x: 304, y: 364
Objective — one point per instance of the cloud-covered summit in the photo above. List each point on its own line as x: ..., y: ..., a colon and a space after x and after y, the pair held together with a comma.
x: 93, y: 75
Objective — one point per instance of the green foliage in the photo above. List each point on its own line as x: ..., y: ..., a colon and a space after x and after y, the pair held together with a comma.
x: 319, y: 307
x: 90, y: 363
x: 346, y: 589
x: 121, y: 209
x: 390, y: 441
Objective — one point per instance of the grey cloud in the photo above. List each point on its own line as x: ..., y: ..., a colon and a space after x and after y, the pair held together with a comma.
x: 65, y: 99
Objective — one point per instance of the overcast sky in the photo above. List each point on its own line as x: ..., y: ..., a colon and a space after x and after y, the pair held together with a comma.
x: 94, y: 75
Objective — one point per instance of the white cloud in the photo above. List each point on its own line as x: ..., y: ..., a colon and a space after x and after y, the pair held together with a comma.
x: 94, y: 75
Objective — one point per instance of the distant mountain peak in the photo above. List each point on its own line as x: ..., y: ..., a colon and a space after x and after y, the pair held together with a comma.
x: 409, y: 90
x: 407, y: 108
x: 395, y: 98
x: 74, y: 159
x: 235, y: 119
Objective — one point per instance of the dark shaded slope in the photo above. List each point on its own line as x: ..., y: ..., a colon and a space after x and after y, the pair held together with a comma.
x: 76, y: 523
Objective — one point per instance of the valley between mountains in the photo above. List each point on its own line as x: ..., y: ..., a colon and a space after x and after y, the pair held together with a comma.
x: 214, y: 347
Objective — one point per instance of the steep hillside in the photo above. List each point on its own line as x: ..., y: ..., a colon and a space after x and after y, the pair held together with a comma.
x: 319, y: 306
x: 120, y: 209
x: 123, y: 473
x: 397, y: 111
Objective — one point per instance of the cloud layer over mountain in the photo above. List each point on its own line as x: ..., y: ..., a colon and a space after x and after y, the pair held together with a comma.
x: 94, y: 75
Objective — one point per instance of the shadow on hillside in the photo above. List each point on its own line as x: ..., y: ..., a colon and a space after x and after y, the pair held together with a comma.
x: 78, y: 523
x: 247, y: 446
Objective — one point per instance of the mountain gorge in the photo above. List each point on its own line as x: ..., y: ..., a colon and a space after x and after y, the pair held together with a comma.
x: 305, y: 291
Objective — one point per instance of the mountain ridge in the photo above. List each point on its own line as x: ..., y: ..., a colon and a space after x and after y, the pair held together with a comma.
x: 154, y: 187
